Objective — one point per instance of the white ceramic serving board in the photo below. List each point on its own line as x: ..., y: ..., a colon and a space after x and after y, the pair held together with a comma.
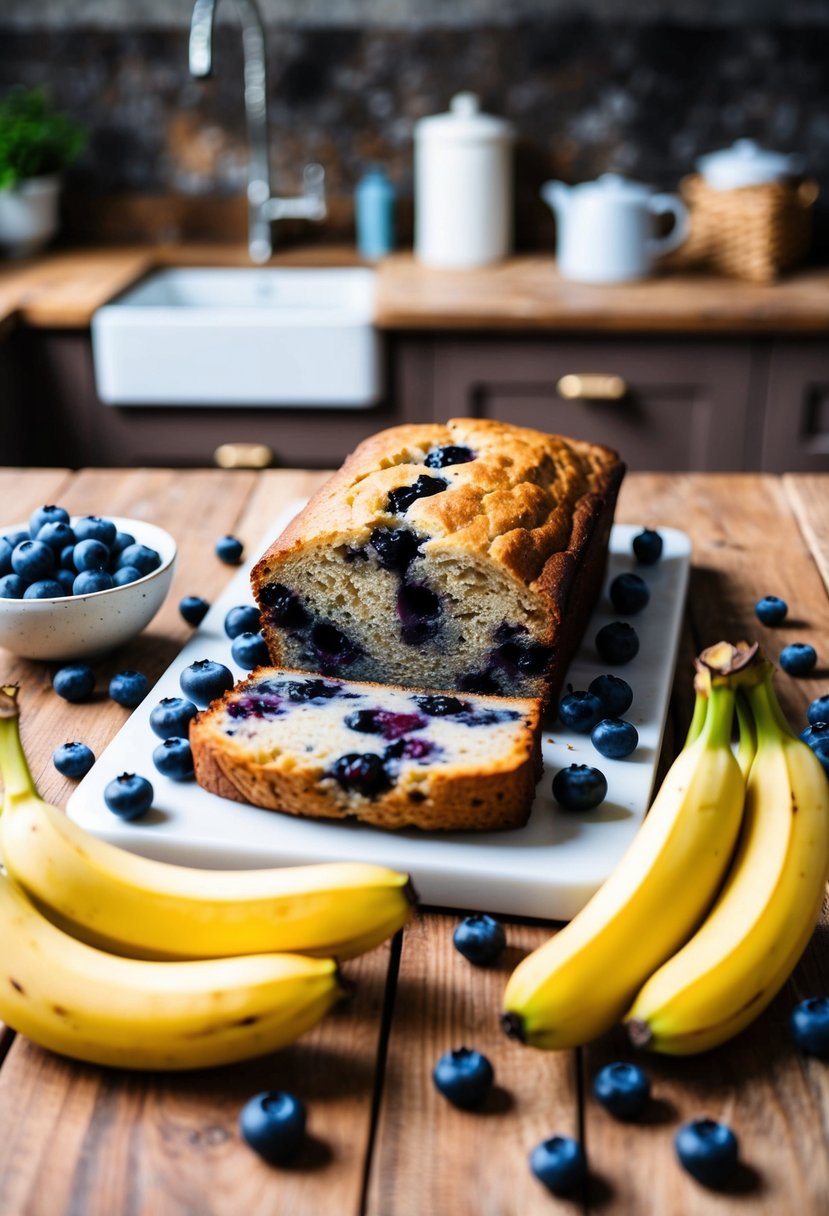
x: 549, y: 868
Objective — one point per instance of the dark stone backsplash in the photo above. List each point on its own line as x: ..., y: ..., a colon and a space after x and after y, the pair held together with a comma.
x: 584, y: 96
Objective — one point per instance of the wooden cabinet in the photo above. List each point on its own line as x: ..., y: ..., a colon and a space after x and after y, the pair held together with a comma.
x: 795, y: 433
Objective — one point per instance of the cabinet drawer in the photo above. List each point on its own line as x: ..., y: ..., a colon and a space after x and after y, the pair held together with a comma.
x: 796, y: 430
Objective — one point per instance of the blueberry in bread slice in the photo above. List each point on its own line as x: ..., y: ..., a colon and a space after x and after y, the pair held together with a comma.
x: 390, y: 756
x: 469, y: 554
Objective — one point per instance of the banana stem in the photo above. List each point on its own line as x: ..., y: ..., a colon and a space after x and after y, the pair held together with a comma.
x: 769, y: 718
x: 697, y: 718
x: 747, y: 748
x: 17, y: 780
x: 716, y: 729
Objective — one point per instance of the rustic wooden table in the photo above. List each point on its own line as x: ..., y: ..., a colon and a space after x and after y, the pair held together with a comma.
x: 96, y: 1142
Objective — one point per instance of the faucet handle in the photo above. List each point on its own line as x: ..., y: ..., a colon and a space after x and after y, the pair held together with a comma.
x: 313, y: 189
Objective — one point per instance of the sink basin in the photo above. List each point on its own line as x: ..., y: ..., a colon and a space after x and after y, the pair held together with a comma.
x: 248, y: 336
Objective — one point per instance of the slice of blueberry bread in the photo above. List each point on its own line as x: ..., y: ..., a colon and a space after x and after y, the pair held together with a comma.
x: 389, y: 756
x: 469, y: 554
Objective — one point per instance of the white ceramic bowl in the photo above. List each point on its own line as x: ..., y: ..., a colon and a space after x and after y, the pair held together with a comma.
x: 81, y: 626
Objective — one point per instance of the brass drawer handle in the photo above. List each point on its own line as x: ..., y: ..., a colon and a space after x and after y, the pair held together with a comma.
x: 592, y: 386
x: 243, y: 456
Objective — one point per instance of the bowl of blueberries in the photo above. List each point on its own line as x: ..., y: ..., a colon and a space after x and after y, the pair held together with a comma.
x: 74, y: 587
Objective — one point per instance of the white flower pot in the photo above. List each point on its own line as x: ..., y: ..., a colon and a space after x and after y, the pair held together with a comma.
x: 29, y: 215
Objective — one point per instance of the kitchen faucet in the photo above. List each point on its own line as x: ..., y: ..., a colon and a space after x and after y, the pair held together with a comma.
x: 263, y: 208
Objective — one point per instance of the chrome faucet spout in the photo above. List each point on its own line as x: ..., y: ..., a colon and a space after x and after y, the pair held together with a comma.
x: 262, y: 206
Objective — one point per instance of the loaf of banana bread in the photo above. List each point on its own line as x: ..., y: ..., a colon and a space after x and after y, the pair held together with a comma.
x: 466, y: 557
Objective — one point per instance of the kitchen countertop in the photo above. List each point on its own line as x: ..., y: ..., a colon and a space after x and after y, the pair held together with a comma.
x: 63, y: 289
x: 80, y: 1139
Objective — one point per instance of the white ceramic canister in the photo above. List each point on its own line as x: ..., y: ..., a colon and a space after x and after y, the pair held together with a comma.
x: 463, y: 186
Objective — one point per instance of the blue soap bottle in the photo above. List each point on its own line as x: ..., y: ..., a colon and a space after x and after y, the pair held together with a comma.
x: 374, y: 206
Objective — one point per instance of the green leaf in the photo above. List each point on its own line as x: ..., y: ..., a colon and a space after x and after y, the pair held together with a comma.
x: 35, y: 140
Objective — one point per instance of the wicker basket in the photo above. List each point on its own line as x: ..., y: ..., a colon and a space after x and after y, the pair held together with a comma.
x: 754, y: 232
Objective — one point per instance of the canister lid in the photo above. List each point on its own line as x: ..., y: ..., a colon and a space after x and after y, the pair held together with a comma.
x: 745, y: 163
x: 464, y: 123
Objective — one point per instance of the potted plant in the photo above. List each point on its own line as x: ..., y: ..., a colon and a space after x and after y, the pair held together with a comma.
x: 36, y: 145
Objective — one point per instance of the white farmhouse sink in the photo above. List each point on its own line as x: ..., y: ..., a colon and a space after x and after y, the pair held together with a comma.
x: 248, y: 336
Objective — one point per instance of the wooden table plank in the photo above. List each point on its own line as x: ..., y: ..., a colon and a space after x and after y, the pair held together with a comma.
x: 430, y: 1157
x: 807, y: 494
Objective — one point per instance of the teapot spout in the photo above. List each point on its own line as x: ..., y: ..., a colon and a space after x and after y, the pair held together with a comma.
x: 557, y: 197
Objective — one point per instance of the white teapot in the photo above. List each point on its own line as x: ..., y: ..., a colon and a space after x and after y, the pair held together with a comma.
x: 605, y: 229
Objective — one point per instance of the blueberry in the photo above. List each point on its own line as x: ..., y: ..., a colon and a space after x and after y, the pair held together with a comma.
x: 229, y: 549
x: 615, y: 694
x: 400, y: 500
x: 273, y: 1125
x: 173, y: 758
x: 126, y: 574
x: 418, y: 608
x: 129, y: 688
x: 815, y: 733
x: 284, y: 606
x: 614, y: 738
x: 129, y: 796
x: 617, y: 643
x: 629, y: 593
x: 580, y: 711
x: 92, y: 527
x: 44, y: 589
x: 707, y: 1150
x: 384, y: 722
x: 119, y: 544
x: 142, y: 557
x: 647, y: 547
x: 6, y: 551
x: 579, y: 787
x: 810, y: 1026
x: 771, y: 610
x: 172, y: 716
x: 481, y: 682
x: 47, y: 515
x: 396, y: 548
x: 439, y: 458
x: 193, y: 609
x: 332, y: 648
x: 66, y: 578
x: 463, y: 1076
x: 559, y: 1163
x: 480, y: 939
x: 818, y: 711
x: 15, y: 538
x: 73, y: 759
x: 244, y: 618
x: 66, y: 557
x: 57, y: 535
x: 12, y: 587
x: 798, y: 659
x: 364, y: 774
x: 90, y: 581
x: 74, y: 683
x: 622, y: 1089
x: 821, y: 749
x: 32, y: 560
x: 439, y: 706
x: 90, y: 554
x: 250, y: 650
x: 525, y: 658
x: 303, y: 691
x: 411, y: 749
x: 204, y: 681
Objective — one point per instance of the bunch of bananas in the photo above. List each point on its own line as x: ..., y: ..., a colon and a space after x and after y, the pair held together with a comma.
x: 119, y: 960
x: 715, y: 900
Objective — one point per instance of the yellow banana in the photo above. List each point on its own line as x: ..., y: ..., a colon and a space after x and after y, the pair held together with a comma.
x: 126, y: 1013
x: 130, y: 905
x: 581, y: 982
x: 763, y: 919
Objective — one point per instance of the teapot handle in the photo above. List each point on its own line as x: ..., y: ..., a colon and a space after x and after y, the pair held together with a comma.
x: 668, y: 204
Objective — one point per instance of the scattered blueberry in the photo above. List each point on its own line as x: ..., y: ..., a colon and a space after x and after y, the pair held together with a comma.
x: 815, y: 733
x: 90, y: 554
x: 439, y: 458
x: 798, y: 659
x: 464, y: 1077
x: 92, y: 527
x: 173, y: 758
x: 58, y: 536
x: 580, y: 711
x: 771, y: 610
x: 647, y: 547
x: 622, y: 1089
x: 707, y: 1150
x: 480, y: 939
x: 579, y: 787
x: 126, y: 574
x: 142, y: 557
x: 229, y: 549
x: 617, y: 643
x: 88, y: 582
x: 244, y: 618
x: 559, y: 1163
x: 438, y: 706
x: 12, y: 587
x: 73, y: 759
x: 129, y: 688
x: 821, y: 749
x: 250, y: 650
x: 364, y: 774
x: 284, y: 606
x: 400, y: 500
x: 44, y: 589
x: 818, y: 711
x: 629, y: 593
x: 615, y: 694
x: 47, y: 515
x: 205, y: 680
x: 614, y: 738
x: 129, y: 796
x: 32, y: 560
x: 396, y: 548
x: 172, y: 716
x: 810, y: 1026
x: 273, y: 1125
x: 194, y: 609
x: 74, y: 683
